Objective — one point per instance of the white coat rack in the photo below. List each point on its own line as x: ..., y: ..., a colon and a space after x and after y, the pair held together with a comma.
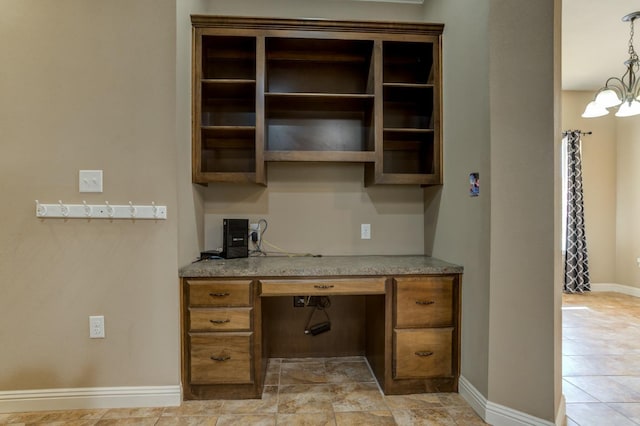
x: 100, y: 211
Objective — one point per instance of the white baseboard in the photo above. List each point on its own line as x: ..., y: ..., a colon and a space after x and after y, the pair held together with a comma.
x: 617, y: 288
x: 84, y: 398
x: 499, y: 415
x: 476, y: 400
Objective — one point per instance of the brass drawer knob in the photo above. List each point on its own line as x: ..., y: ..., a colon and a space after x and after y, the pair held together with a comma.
x: 220, y: 321
x: 425, y: 302
x: 424, y: 353
x: 221, y: 358
x: 323, y: 286
x: 219, y: 294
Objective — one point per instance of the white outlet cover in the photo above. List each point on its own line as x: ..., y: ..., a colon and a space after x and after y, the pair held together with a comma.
x: 96, y: 327
x: 365, y: 231
x: 90, y: 180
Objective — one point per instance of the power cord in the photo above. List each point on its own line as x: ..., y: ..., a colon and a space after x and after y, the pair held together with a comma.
x: 257, y: 237
x: 322, y: 327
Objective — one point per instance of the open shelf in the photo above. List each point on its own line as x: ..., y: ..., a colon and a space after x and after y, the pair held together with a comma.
x: 408, y: 107
x: 408, y: 152
x: 228, y: 104
x: 307, y: 122
x: 227, y: 149
x: 297, y: 65
x: 225, y: 57
x: 407, y: 62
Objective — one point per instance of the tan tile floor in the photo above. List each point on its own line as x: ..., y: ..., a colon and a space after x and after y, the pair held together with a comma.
x: 318, y: 391
x: 601, y: 359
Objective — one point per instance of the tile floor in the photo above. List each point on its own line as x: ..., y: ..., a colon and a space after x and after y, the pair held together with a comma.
x: 312, y: 391
x: 601, y: 359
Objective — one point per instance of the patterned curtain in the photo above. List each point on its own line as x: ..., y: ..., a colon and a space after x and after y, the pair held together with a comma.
x: 576, y: 265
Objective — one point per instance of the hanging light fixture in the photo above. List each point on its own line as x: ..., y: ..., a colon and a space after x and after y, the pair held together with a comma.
x: 619, y: 91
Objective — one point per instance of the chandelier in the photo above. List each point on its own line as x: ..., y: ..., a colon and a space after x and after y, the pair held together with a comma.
x: 622, y: 91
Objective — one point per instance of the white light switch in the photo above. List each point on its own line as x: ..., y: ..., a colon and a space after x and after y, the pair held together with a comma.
x: 90, y: 180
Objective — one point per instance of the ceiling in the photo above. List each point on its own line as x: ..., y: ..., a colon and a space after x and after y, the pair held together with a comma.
x: 595, y: 41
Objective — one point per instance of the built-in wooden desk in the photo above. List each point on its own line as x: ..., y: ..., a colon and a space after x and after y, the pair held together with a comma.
x: 401, y: 312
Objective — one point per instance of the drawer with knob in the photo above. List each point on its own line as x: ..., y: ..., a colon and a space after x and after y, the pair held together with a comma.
x: 219, y: 293
x: 322, y: 286
x: 220, y: 319
x: 422, y: 353
x: 424, y: 301
x: 220, y: 358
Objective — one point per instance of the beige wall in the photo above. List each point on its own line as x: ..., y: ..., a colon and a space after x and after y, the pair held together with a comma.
x: 599, y: 170
x: 628, y: 202
x: 318, y: 208
x: 457, y: 226
x: 87, y: 85
x: 524, y: 323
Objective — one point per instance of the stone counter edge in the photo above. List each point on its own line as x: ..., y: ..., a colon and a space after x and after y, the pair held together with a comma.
x: 325, y: 266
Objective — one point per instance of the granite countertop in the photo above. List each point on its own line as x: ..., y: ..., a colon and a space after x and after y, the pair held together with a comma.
x: 281, y: 266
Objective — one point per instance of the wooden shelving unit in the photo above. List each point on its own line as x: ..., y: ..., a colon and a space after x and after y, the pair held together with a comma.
x: 224, y: 112
x: 270, y: 90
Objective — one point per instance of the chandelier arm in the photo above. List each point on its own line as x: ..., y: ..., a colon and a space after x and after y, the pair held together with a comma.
x: 635, y: 90
x: 617, y: 85
x: 630, y: 75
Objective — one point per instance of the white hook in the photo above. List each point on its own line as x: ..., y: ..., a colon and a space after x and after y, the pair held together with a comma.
x: 110, y: 210
x: 63, y: 209
x: 87, y: 209
x: 40, y: 209
x: 132, y: 209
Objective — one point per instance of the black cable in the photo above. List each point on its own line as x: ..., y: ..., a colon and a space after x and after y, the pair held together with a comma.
x: 323, y: 302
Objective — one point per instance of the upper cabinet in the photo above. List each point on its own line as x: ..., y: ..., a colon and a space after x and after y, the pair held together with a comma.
x: 269, y: 90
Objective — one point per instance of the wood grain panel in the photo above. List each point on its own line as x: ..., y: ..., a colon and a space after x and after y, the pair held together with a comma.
x: 422, y: 353
x: 283, y: 327
x: 322, y: 287
x: 424, y: 301
x: 221, y: 358
x: 219, y: 292
x: 220, y: 319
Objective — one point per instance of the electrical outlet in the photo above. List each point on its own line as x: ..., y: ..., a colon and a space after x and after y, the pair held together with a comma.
x: 96, y: 327
x: 302, y: 301
x: 365, y: 231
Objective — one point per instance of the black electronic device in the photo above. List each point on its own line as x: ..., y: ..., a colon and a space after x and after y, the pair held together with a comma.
x: 316, y: 329
x: 235, y: 239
